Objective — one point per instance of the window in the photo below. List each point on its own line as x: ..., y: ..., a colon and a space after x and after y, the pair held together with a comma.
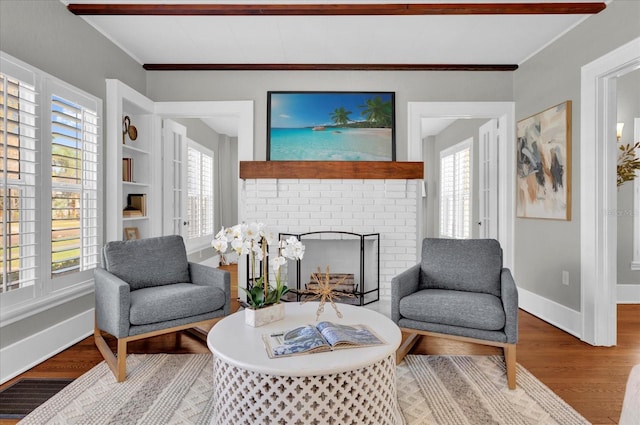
x: 74, y: 176
x: 455, y: 191
x: 18, y: 185
x: 199, y: 195
x: 49, y: 197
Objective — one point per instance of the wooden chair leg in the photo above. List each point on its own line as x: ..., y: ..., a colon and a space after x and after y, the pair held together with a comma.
x: 106, y: 352
x: 406, y: 346
x: 510, y: 363
x: 121, y: 375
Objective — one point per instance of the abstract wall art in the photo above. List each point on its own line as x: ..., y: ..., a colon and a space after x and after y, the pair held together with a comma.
x: 544, y: 164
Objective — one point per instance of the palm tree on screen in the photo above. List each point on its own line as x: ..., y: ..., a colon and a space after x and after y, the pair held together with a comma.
x: 377, y: 112
x: 340, y: 116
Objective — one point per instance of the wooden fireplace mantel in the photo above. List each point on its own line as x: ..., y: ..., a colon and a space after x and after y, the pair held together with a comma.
x: 331, y: 170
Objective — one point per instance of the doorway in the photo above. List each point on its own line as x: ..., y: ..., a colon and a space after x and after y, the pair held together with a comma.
x: 598, y: 194
x: 504, y: 112
x: 239, y: 113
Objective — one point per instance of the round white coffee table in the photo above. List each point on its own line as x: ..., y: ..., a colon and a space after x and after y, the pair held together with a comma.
x: 350, y: 386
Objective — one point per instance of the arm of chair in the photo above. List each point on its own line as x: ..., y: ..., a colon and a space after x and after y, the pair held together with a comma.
x: 509, y: 297
x: 205, y: 275
x: 112, y: 303
x: 402, y: 285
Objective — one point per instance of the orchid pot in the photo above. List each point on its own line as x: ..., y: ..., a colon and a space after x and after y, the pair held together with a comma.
x: 253, y: 240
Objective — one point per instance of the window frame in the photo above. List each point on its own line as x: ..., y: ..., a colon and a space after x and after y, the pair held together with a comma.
x: 48, y: 292
x: 451, y: 152
x: 204, y: 240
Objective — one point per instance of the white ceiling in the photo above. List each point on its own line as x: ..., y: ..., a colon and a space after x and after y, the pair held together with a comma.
x: 423, y: 39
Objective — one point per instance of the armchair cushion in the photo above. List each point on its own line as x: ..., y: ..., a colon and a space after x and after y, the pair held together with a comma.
x: 472, y: 265
x: 177, y: 301
x: 148, y: 262
x: 454, y: 308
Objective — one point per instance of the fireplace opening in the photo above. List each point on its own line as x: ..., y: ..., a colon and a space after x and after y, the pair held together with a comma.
x: 350, y: 262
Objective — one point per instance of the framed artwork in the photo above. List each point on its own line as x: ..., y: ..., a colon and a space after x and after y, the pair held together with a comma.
x: 331, y: 126
x: 543, y: 169
x: 131, y: 233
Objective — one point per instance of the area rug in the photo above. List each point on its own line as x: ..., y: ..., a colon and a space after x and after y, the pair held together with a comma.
x: 177, y: 388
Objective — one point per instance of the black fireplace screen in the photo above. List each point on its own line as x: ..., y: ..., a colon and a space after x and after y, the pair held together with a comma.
x: 349, y: 261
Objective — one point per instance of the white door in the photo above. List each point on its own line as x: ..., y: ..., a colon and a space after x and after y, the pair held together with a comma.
x: 488, y: 179
x: 174, y: 177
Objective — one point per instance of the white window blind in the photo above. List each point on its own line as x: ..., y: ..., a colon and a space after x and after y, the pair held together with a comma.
x: 199, y: 193
x: 455, y: 191
x: 18, y: 249
x: 74, y: 176
x: 50, y: 189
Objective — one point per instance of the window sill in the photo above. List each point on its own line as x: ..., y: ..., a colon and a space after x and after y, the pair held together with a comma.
x: 12, y: 314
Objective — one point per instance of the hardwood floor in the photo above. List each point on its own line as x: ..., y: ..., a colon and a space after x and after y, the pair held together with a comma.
x: 591, y: 379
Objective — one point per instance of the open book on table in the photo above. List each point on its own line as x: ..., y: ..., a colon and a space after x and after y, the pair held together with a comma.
x: 324, y: 336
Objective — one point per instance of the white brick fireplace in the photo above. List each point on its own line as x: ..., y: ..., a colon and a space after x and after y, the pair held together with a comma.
x: 385, y: 206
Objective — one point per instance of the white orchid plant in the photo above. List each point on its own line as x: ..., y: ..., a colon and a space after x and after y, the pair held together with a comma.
x: 252, y: 239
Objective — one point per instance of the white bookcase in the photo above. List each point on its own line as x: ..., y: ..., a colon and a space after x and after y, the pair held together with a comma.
x: 145, y: 178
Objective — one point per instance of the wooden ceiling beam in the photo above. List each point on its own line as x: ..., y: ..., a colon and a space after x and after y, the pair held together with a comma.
x: 324, y: 67
x: 217, y: 9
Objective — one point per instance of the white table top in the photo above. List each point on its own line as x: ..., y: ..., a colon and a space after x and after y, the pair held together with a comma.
x: 241, y: 345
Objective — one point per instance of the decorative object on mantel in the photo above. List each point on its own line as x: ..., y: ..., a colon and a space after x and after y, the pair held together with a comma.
x: 324, y: 290
x: 628, y: 163
x: 128, y: 129
x: 253, y: 240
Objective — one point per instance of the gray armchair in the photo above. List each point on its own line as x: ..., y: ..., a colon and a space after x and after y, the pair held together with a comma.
x: 147, y: 288
x: 460, y: 291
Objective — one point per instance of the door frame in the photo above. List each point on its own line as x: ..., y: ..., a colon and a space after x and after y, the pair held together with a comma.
x: 241, y: 110
x: 506, y: 157
x: 598, y: 193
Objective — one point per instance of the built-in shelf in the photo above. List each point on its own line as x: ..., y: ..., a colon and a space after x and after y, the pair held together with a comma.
x: 134, y: 149
x: 331, y: 170
x: 144, y: 217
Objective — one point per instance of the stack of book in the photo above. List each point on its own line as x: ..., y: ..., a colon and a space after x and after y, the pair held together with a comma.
x: 127, y: 169
x: 136, y: 205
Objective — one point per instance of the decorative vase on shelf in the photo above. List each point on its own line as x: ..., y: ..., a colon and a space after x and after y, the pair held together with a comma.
x: 264, y: 315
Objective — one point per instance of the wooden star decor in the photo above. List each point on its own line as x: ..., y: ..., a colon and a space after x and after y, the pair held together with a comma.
x: 324, y: 292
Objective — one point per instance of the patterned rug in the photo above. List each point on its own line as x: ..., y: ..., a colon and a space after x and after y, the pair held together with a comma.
x: 176, y: 389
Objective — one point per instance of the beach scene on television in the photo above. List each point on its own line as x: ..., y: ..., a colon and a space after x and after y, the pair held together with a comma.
x: 336, y: 126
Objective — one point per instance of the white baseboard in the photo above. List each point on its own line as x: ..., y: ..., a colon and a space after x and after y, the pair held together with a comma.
x: 27, y: 353
x: 628, y: 294
x: 556, y: 314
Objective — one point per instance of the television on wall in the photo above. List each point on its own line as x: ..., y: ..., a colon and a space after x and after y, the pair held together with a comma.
x: 331, y: 126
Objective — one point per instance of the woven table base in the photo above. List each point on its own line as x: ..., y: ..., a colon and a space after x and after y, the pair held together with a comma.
x: 362, y: 396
